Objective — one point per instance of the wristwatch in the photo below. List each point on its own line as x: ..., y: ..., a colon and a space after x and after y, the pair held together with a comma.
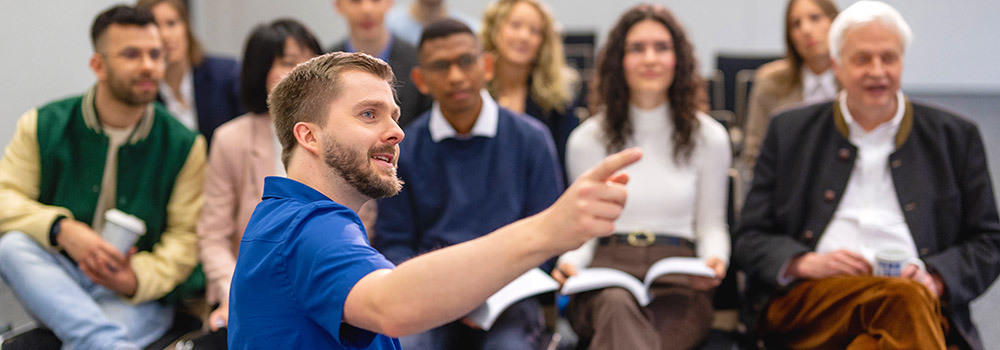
x: 55, y: 229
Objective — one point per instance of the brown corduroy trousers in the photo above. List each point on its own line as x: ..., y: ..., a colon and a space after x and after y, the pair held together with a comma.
x: 856, y: 312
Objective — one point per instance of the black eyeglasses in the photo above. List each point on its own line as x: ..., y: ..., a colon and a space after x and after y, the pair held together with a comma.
x: 464, y: 62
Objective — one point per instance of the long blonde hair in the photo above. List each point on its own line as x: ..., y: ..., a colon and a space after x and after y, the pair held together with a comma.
x: 552, y: 81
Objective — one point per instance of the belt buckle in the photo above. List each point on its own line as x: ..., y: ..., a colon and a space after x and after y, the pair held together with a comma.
x: 640, y: 238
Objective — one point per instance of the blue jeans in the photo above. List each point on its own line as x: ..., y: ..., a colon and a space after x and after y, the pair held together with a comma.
x: 521, y: 326
x: 83, y: 314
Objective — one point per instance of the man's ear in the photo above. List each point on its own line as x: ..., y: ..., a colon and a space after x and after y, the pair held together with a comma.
x: 97, y: 65
x: 417, y: 75
x: 835, y: 67
x: 336, y: 7
x: 488, y: 61
x: 305, y: 136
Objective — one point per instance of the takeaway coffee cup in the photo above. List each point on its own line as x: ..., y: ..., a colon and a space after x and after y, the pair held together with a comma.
x: 891, y: 261
x: 122, y: 230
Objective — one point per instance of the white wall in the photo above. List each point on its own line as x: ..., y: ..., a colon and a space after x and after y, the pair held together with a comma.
x: 955, y: 46
x: 44, y: 53
x: 46, y: 46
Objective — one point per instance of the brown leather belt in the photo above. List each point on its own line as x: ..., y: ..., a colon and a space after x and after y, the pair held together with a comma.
x: 644, y: 238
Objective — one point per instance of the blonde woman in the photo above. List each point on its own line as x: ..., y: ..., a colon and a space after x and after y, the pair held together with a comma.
x: 530, y: 73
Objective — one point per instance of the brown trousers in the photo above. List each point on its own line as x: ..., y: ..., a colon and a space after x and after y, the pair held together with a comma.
x: 678, y: 317
x: 856, y: 312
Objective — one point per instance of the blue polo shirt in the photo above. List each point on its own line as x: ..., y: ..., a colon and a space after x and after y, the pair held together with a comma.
x: 300, y: 256
x: 461, y: 187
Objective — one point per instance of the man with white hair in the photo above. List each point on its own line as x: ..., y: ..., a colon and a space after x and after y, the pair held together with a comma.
x: 840, y: 182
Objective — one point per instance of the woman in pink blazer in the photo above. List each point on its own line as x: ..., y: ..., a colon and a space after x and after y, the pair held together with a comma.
x: 243, y: 152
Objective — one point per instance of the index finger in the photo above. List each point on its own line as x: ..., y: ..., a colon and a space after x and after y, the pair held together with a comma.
x: 612, y: 164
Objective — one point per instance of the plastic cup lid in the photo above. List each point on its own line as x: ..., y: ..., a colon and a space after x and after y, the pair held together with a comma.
x: 126, y: 221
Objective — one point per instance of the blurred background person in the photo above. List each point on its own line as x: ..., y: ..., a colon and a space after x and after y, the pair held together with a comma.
x: 368, y: 33
x: 407, y: 21
x: 201, y: 91
x: 647, y: 87
x: 804, y: 76
x: 245, y: 151
x: 531, y: 72
x: 470, y: 167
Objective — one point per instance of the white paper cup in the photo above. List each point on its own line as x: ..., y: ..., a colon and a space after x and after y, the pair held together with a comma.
x: 122, y: 230
x: 891, y: 261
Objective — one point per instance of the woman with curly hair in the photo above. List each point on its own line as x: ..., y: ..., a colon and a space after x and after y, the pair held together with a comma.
x: 530, y: 74
x: 804, y: 76
x: 647, y: 96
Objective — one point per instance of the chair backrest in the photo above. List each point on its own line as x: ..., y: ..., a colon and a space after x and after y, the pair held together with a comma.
x: 731, y: 63
x: 579, y: 48
x: 744, y: 83
x: 716, y: 85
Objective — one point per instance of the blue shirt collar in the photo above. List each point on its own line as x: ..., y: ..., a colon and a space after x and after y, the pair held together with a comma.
x: 283, y: 187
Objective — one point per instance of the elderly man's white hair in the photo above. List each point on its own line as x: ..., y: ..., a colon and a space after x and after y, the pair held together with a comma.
x: 864, y: 12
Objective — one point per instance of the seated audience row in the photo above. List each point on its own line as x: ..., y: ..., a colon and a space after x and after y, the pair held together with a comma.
x: 835, y: 182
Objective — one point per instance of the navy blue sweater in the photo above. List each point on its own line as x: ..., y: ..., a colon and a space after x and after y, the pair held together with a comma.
x: 458, y: 190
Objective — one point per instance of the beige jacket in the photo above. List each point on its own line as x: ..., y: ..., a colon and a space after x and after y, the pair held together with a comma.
x: 771, y: 94
x: 241, y: 155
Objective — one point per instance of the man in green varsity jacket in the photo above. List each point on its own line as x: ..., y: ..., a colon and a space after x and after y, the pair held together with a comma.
x: 72, y: 160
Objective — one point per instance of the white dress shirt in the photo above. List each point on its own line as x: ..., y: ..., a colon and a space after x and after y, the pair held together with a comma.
x: 869, y: 217
x: 187, y: 114
x: 818, y: 87
x: 486, y: 122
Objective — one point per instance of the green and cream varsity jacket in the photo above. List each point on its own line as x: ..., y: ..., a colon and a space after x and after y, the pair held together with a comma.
x: 54, y: 166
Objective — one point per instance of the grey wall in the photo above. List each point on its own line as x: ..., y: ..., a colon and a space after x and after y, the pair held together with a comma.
x: 46, y: 46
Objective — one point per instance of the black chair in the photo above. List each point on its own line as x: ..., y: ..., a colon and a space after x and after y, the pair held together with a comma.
x: 716, y: 85
x: 41, y: 338
x: 730, y: 64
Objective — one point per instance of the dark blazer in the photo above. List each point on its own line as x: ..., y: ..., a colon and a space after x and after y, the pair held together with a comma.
x: 216, y: 93
x: 560, y: 125
x: 940, y: 175
x: 402, y: 59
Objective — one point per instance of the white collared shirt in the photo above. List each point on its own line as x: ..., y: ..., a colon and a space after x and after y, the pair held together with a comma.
x: 869, y: 217
x: 186, y: 114
x: 818, y: 87
x: 486, y: 122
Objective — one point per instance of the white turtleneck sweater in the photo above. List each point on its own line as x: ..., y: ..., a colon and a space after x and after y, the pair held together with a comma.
x: 685, y: 200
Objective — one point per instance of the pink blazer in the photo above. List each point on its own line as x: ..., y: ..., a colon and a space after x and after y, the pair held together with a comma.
x: 242, y: 153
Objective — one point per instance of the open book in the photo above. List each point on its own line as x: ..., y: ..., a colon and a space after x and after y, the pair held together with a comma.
x: 603, y: 277
x: 531, y: 283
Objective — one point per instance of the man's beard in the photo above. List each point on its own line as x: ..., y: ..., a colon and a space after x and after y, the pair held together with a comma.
x: 121, y: 90
x: 353, y: 168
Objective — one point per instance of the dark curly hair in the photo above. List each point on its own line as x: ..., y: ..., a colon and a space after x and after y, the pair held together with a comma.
x: 612, y: 93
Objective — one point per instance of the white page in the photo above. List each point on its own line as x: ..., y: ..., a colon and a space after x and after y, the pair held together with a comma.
x: 603, y: 277
x: 678, y: 265
x: 531, y: 283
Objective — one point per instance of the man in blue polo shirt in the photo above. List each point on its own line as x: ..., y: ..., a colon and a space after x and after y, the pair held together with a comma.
x: 470, y: 167
x: 306, y: 277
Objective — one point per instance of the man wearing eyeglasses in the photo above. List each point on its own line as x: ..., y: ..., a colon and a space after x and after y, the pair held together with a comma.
x: 72, y: 160
x: 470, y: 167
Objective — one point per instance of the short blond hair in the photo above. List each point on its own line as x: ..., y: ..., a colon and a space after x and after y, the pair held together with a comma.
x: 305, y: 94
